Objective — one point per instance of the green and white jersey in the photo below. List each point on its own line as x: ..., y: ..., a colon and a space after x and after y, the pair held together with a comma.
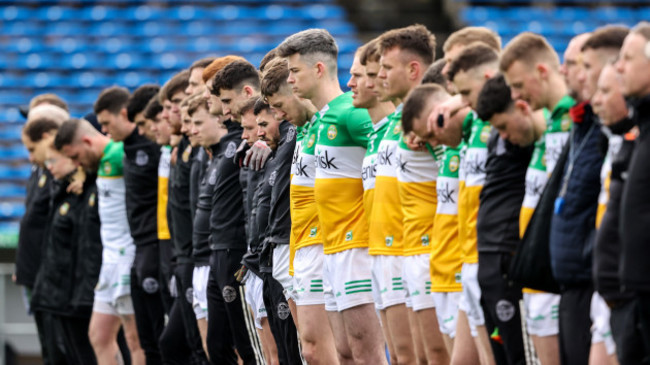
x: 116, y: 235
x: 369, y: 167
x: 558, y: 128
x: 475, y: 157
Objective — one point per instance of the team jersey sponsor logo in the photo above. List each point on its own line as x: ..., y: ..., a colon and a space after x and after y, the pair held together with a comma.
x: 42, y: 180
x: 369, y: 171
x: 454, y: 163
x: 389, y: 241
x: 348, y: 236
x: 150, y: 285
x: 231, y: 149
x: 324, y: 161
x: 141, y: 158
x: 187, y: 153
x: 332, y: 132
x: 385, y: 155
x: 425, y: 239
x: 446, y: 193
x: 91, y: 200
x: 229, y: 294
x: 300, y: 168
x: 65, y: 207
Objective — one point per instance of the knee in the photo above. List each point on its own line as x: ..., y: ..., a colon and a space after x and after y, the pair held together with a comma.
x: 309, y: 352
x: 99, y: 337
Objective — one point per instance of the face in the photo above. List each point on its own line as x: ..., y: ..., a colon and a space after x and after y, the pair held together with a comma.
x: 393, y: 73
x: 161, y: 129
x: 232, y: 101
x: 515, y: 125
x: 268, y: 129
x: 373, y: 83
x: 214, y: 104
x: 469, y: 84
x: 175, y: 111
x: 81, y: 154
x: 196, y: 80
x: 286, y: 106
x: 362, y: 97
x: 525, y: 84
x: 113, y: 124
x: 633, y: 66
x: 206, y: 128
x: 608, y: 101
x: 572, y: 67
x: 59, y: 165
x: 249, y: 123
x: 302, y: 76
x: 37, y: 150
x: 186, y: 126
x: 420, y: 128
x: 593, y: 64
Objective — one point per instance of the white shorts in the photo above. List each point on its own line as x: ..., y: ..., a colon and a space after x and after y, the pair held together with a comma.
x: 470, y: 301
x: 600, y: 328
x: 123, y: 306
x: 254, y: 298
x: 281, y: 269
x: 542, y: 314
x: 417, y: 280
x: 387, y: 279
x: 113, y: 285
x: 447, y: 311
x: 347, y: 279
x: 308, y: 275
x: 200, y: 278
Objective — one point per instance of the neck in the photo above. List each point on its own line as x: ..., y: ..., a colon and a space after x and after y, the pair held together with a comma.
x: 326, y: 92
x: 102, y: 142
x: 380, y: 110
x: 557, y: 91
x: 539, y: 124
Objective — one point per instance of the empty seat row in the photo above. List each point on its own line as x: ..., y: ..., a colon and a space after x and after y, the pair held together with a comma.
x: 474, y: 14
x: 185, y: 12
x: 15, y: 173
x: 11, y: 210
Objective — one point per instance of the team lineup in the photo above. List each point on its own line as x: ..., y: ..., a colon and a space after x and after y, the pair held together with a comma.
x: 480, y: 208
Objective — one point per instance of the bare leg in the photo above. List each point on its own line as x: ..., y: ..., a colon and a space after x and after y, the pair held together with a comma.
x: 547, y: 349
x: 268, y: 344
x: 389, y: 341
x: 400, y: 332
x: 418, y: 341
x: 427, y: 323
x: 132, y: 339
x: 449, y: 344
x: 484, y: 347
x: 364, y: 335
x: 464, y: 349
x: 340, y: 338
x: 103, y: 337
x: 294, y: 312
x: 203, y: 331
x: 316, y: 335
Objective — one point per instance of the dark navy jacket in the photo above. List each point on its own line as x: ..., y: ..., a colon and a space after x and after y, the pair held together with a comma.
x: 573, y: 229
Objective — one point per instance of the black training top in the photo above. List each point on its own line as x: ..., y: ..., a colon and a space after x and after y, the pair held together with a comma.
x: 201, y: 224
x: 503, y: 193
x: 32, y: 226
x: 227, y: 217
x: 179, y: 208
x: 141, y: 157
x: 253, y: 237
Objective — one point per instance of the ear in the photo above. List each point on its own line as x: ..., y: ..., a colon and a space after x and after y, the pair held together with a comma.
x: 321, y: 69
x: 123, y: 113
x: 489, y: 74
x: 248, y: 91
x: 542, y: 70
x: 414, y: 70
x: 523, y: 107
x: 86, y: 140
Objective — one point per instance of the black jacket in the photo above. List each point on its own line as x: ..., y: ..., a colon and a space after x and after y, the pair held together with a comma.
x: 32, y: 226
x: 607, y: 252
x: 199, y: 164
x: 277, y: 179
x: 141, y: 158
x: 502, y: 195
x: 573, y: 229
x: 635, y: 207
x: 250, y: 180
x: 227, y: 216
x: 201, y: 224
x: 179, y: 209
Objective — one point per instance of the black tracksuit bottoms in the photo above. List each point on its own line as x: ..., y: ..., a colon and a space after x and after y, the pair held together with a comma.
x: 280, y: 320
x: 575, y: 324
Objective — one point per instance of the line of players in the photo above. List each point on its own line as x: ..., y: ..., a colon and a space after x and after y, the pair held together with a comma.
x: 385, y: 217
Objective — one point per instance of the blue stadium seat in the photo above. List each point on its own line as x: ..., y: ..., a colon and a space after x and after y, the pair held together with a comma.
x: 15, y: 152
x: 99, y: 13
x: 145, y: 13
x: 22, y: 45
x: 10, y: 80
x: 202, y: 27
x: 88, y: 79
x: 278, y: 12
x: 12, y: 191
x: 17, y: 13
x: 12, y: 97
x: 79, y: 61
x: 68, y: 45
x: 15, y: 173
x: 8, y: 133
x: 612, y: 14
x: 124, y: 61
x: 11, y: 210
x: 12, y: 114
x: 42, y: 79
x: 23, y: 29
x: 64, y: 28
x: 109, y: 29
x: 59, y: 13
x: 319, y: 11
x: 154, y: 29
x: 116, y: 45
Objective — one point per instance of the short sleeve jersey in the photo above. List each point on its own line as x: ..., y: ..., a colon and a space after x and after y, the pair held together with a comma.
x: 417, y: 173
x: 558, y: 127
x: 114, y: 229
x: 305, y: 227
x: 536, y: 178
x: 445, y: 261
x: 473, y: 171
x: 386, y: 219
x: 369, y: 167
x: 341, y: 142
x: 163, y: 189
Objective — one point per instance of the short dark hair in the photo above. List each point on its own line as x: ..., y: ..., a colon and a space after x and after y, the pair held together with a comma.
x: 473, y: 56
x: 369, y: 52
x: 434, y: 74
x: 414, y: 38
x: 275, y: 77
x: 202, y: 63
x: 67, y: 133
x: 307, y: 42
x: 609, y: 36
x: 113, y: 99
x: 139, y: 100
x: 416, y: 101
x: 494, y: 98
x: 260, y: 106
x: 153, y: 108
x: 234, y: 76
x: 34, y: 129
x: 177, y: 83
x: 248, y: 106
x: 270, y: 56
